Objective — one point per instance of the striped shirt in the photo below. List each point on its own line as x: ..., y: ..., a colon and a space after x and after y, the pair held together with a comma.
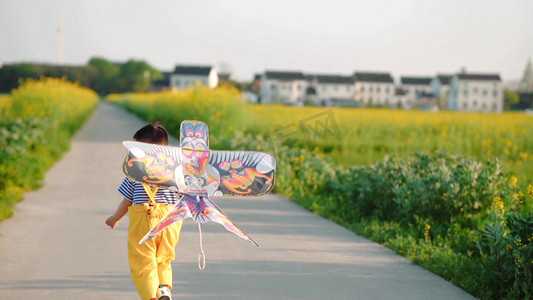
x: 135, y: 192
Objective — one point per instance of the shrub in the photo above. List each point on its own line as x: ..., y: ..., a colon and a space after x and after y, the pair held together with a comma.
x: 35, y: 131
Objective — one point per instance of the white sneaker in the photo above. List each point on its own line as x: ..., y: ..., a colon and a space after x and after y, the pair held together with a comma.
x: 163, y: 293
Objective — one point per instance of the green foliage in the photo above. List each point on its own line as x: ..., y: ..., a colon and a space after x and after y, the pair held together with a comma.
x: 99, y: 74
x: 35, y: 131
x: 506, y: 247
x: 104, y: 74
x: 510, y: 99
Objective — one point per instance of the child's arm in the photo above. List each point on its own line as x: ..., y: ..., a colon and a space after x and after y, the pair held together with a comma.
x: 122, y: 209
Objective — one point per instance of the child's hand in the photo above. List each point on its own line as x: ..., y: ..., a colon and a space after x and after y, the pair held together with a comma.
x: 112, y: 222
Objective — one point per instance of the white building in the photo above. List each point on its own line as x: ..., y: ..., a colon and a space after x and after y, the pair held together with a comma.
x: 375, y: 89
x: 415, y: 88
x: 185, y: 76
x: 283, y: 87
x: 440, y: 88
x: 476, y: 93
x: 330, y: 90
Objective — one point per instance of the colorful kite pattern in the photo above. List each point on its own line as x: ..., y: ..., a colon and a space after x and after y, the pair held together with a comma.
x: 197, y: 172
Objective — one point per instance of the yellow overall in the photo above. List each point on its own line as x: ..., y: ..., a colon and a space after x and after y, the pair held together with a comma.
x: 150, y: 262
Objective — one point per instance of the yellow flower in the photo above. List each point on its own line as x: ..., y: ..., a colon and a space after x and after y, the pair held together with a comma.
x: 513, y: 181
x: 530, y: 190
x: 498, y: 203
x: 426, y: 233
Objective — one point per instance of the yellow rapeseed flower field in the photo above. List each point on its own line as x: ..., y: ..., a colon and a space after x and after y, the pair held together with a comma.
x: 5, y: 105
x: 350, y: 136
x: 364, y: 136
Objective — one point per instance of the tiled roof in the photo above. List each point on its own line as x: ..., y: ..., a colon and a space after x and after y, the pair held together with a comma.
x: 415, y: 80
x: 465, y: 76
x: 339, y: 79
x: 193, y: 70
x: 281, y: 75
x: 373, y: 77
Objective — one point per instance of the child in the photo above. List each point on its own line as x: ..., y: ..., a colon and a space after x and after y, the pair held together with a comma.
x: 150, y: 267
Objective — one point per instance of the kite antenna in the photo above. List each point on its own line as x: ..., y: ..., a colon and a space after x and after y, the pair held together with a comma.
x: 201, y: 256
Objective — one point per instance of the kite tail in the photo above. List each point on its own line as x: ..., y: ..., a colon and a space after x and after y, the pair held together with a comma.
x: 215, y: 214
x: 176, y: 214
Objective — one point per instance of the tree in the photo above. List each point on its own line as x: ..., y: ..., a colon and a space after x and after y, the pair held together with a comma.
x: 103, y: 75
x: 510, y: 98
x: 137, y: 76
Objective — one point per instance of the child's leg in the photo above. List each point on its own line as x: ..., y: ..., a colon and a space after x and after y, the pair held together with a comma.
x: 142, y: 258
x: 166, y: 250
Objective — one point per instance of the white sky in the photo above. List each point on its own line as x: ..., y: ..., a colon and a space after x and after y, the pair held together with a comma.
x: 404, y: 37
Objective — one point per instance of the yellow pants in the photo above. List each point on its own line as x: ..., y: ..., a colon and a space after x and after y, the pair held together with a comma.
x: 150, y: 262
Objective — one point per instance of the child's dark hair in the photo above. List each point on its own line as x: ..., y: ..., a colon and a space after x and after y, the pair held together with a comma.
x: 153, y: 133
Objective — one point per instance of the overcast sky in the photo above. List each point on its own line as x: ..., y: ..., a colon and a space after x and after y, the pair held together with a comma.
x: 404, y: 37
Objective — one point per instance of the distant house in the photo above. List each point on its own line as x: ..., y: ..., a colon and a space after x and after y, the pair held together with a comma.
x: 400, y: 97
x: 476, y: 93
x: 374, y: 89
x: 415, y: 87
x: 440, y: 88
x: 330, y: 90
x: 283, y: 87
x: 185, y: 76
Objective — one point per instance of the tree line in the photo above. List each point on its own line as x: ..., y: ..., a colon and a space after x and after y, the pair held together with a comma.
x: 99, y: 74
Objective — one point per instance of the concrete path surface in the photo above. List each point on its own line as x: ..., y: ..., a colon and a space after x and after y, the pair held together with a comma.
x: 57, y: 246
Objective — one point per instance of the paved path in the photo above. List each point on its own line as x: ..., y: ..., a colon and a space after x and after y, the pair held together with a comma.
x: 58, y: 247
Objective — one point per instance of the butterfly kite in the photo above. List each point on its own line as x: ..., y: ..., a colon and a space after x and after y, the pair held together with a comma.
x: 198, y: 173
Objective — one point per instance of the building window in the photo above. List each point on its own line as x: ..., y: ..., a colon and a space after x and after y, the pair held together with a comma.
x: 484, y: 92
x: 465, y: 93
x: 378, y: 89
x: 475, y: 90
x: 362, y: 88
x: 465, y: 105
x: 495, y: 94
x: 475, y: 103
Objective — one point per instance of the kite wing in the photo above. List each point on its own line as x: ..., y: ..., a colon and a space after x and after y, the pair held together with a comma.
x: 240, y: 173
x: 152, y: 164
